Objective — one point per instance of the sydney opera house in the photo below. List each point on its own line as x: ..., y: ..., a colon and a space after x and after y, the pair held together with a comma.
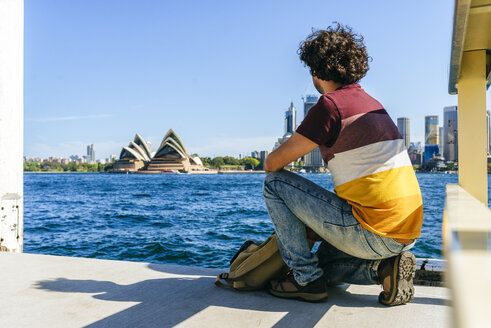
x: 170, y: 157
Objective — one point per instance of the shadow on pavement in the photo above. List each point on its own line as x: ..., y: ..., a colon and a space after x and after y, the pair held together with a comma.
x: 169, y: 301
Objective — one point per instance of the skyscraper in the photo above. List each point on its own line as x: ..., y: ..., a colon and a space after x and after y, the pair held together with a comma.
x: 290, y: 120
x: 314, y: 158
x: 450, y: 140
x: 90, y: 154
x: 403, y: 126
x: 308, y: 102
x: 431, y: 130
x: 263, y: 154
x: 440, y: 138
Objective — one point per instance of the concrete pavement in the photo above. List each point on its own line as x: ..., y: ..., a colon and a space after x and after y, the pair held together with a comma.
x: 55, y: 291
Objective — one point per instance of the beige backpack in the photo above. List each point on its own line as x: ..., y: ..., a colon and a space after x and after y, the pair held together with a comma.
x: 254, y: 265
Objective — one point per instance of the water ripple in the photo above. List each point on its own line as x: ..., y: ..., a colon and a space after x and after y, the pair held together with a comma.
x: 196, y: 220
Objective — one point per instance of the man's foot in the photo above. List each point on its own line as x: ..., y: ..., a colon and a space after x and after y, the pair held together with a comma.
x: 314, y: 291
x: 396, y: 275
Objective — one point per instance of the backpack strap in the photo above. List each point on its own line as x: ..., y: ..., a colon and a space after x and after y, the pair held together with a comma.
x: 220, y: 284
x: 234, y: 285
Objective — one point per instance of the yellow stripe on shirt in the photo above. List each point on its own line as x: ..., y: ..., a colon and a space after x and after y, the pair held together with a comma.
x: 380, y: 187
x: 387, y: 203
x: 398, y: 218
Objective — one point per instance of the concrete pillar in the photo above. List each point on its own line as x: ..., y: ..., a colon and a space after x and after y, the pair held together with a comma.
x: 11, y: 124
x: 471, y: 87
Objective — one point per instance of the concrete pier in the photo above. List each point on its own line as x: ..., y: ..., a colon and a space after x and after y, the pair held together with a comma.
x: 55, y: 291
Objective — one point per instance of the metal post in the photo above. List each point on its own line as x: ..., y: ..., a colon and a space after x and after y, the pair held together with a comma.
x: 471, y: 87
x: 11, y: 124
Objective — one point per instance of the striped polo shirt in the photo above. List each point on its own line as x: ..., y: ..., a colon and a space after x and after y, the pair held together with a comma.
x: 368, y: 161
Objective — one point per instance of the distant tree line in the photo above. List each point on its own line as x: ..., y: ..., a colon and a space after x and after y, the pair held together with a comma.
x: 51, y: 166
x: 249, y: 163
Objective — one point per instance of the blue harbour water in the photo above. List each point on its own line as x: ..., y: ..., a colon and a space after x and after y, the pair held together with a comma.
x: 198, y: 220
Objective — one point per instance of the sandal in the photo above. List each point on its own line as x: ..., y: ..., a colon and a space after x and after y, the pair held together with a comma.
x: 315, y: 291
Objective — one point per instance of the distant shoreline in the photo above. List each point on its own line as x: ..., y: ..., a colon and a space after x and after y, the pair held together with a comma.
x: 219, y: 172
x: 62, y: 172
x: 240, y: 172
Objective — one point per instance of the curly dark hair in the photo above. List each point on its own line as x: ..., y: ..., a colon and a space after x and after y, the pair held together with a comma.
x: 335, y: 54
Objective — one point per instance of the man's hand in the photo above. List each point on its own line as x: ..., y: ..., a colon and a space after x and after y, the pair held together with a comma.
x: 292, y: 149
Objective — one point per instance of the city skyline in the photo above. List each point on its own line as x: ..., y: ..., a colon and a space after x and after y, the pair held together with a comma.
x: 220, y: 73
x: 441, y: 142
x: 435, y: 135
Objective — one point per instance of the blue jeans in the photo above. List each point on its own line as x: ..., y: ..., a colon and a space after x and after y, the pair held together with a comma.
x: 349, y: 252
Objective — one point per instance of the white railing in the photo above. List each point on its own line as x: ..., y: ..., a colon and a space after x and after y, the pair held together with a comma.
x: 466, y: 237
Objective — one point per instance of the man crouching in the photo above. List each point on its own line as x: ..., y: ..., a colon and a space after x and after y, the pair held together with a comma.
x: 376, y: 212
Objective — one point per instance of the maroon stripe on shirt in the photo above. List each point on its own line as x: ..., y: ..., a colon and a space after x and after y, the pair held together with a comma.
x: 353, y: 100
x: 366, y: 129
x: 346, y: 119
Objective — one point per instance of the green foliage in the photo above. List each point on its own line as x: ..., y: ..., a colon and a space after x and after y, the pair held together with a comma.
x: 217, y: 162
x: 249, y: 163
x: 108, y: 167
x: 91, y: 167
x: 72, y: 167
x: 206, y: 161
x: 229, y: 160
x: 32, y: 166
x: 50, y: 166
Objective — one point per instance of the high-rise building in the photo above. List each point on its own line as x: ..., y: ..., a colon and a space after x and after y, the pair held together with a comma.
x: 450, y: 137
x: 278, y: 143
x: 290, y: 120
x: 263, y: 154
x: 403, y: 126
x: 440, y: 138
x: 431, y: 130
x: 90, y: 154
x: 308, y: 102
x: 260, y: 155
x: 314, y: 158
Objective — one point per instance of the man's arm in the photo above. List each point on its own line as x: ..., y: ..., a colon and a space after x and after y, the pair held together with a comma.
x: 292, y: 149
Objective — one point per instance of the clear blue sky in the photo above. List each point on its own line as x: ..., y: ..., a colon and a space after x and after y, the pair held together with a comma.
x: 220, y: 73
